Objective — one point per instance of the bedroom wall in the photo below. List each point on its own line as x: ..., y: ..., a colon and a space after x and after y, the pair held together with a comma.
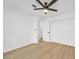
x: 63, y: 32
x: 62, y: 28
x: 18, y: 28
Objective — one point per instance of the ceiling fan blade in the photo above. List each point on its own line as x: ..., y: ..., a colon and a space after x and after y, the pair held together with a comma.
x: 52, y: 9
x: 40, y: 3
x: 52, y: 2
x: 38, y: 8
x: 34, y: 6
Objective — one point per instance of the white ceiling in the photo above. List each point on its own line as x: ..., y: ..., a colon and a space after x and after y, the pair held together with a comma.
x: 63, y: 6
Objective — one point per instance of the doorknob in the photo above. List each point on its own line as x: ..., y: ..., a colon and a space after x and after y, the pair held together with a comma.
x: 48, y: 32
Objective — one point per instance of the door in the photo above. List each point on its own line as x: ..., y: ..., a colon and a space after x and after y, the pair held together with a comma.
x: 46, y: 30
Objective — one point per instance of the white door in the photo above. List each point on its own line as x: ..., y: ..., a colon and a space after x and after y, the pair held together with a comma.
x: 46, y: 31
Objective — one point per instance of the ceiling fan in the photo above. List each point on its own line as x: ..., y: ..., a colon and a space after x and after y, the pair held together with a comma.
x: 45, y: 6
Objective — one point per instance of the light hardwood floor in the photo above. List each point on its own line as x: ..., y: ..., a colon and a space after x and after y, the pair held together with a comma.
x: 43, y: 50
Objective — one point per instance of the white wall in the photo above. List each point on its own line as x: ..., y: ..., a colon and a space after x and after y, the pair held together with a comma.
x: 63, y: 32
x: 18, y: 28
x: 62, y: 29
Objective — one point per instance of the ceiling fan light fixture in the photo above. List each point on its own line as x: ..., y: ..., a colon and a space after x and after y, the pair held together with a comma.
x: 45, y: 10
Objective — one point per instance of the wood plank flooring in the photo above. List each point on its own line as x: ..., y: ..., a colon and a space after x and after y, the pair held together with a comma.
x: 43, y: 50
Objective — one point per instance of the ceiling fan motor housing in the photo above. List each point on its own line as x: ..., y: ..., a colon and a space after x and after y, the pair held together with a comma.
x: 45, y: 3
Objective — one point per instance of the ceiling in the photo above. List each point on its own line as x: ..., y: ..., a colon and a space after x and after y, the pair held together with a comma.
x: 63, y: 6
